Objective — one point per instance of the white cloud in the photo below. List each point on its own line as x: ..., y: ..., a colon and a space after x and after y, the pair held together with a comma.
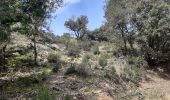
x: 71, y: 1
x: 66, y: 5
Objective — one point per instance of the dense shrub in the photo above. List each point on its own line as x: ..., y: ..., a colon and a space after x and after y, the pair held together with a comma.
x: 113, y: 70
x: 86, y: 58
x: 82, y: 69
x: 95, y: 50
x: 45, y: 94
x: 55, y: 61
x: 21, y: 61
x: 136, y: 69
x: 102, y: 61
x: 86, y: 45
x: 73, y: 51
x: 71, y: 69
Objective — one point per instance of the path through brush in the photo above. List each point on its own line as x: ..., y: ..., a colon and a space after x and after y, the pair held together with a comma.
x: 157, y: 87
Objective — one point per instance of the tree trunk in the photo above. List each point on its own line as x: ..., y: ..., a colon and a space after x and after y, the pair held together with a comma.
x: 124, y: 41
x: 3, y: 60
x: 35, y: 46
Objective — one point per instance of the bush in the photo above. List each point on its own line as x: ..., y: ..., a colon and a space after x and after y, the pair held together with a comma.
x: 113, y: 70
x: 67, y: 97
x: 136, y: 71
x: 45, y: 94
x: 21, y: 61
x: 85, y: 58
x: 73, y: 51
x: 55, y: 61
x: 71, y: 69
x: 82, y: 69
x: 95, y: 50
x: 138, y: 62
x: 86, y: 45
x: 103, y: 61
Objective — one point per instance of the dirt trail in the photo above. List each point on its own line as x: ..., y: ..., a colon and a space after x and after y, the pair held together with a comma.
x: 157, y: 87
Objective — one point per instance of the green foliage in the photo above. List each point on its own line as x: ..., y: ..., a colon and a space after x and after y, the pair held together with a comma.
x: 78, y: 26
x: 86, y: 58
x: 55, y: 61
x: 138, y: 62
x: 73, y: 51
x: 135, y: 72
x: 67, y: 97
x: 152, y: 23
x: 86, y: 45
x: 103, y: 61
x: 21, y: 61
x: 45, y: 94
x: 71, y: 69
x: 82, y: 69
x: 113, y: 70
x: 95, y: 50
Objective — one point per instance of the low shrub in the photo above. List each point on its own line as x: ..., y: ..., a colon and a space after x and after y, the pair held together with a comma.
x: 45, y: 94
x: 102, y: 61
x: 136, y: 69
x: 73, y: 51
x: 95, y: 50
x: 113, y: 70
x: 86, y: 45
x: 21, y: 61
x: 82, y: 69
x: 86, y: 58
x: 54, y: 60
x: 138, y: 62
x: 71, y: 69
x: 67, y: 97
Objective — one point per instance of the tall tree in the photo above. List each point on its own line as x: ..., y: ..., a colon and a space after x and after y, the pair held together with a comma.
x: 118, y: 16
x: 38, y: 12
x: 78, y: 26
x: 152, y: 21
x: 9, y: 15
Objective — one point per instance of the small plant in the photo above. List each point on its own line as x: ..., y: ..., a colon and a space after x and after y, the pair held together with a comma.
x: 20, y: 61
x: 103, y: 61
x: 95, y: 50
x: 73, y: 51
x: 55, y: 61
x: 71, y: 69
x: 45, y: 94
x: 83, y: 69
x: 86, y: 45
x: 113, y: 70
x: 67, y: 97
x: 86, y: 58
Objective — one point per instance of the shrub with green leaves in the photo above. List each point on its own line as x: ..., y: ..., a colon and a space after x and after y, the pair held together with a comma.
x: 21, y: 61
x: 113, y: 70
x: 86, y: 58
x: 82, y: 69
x: 86, y: 45
x: 73, y: 51
x: 45, y: 94
x: 95, y: 50
x: 71, y: 69
x: 55, y: 61
x: 102, y: 61
x: 136, y: 71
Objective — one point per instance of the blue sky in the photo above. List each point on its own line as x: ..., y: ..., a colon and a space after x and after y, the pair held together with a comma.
x: 91, y: 8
